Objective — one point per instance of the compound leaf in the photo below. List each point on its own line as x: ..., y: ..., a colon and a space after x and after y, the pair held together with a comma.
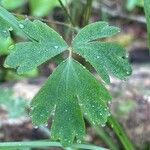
x: 104, y: 56
x: 47, y: 43
x: 70, y: 92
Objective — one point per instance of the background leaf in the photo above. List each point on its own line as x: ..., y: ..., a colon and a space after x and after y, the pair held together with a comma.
x: 15, y: 106
x: 147, y: 13
x: 43, y: 7
x: 12, y: 4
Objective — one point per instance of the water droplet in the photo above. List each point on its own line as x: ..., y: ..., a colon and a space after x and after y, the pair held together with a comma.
x: 26, y: 18
x: 94, y: 123
x: 56, y: 47
x: 78, y: 141
x: 85, y: 114
x: 5, y: 31
x: 10, y: 29
x: 11, y: 47
x: 36, y: 127
x: 100, y: 114
x: 31, y: 108
x: 21, y: 26
x: 109, y: 102
x: 80, y: 104
x: 128, y: 72
x: 103, y: 125
x: 98, y: 57
x: 109, y: 115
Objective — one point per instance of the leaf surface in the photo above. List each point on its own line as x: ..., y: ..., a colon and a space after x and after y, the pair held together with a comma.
x: 70, y: 92
x: 104, y: 56
x: 47, y: 43
x: 4, y: 29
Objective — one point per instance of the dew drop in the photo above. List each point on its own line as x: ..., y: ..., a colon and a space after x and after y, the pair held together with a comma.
x: 128, y: 72
x: 94, y: 123
x: 100, y: 114
x: 32, y: 108
x: 98, y: 57
x: 21, y: 26
x: 11, y: 47
x: 85, y: 114
x: 109, y: 115
x: 103, y: 125
x: 109, y: 102
x: 56, y: 47
x: 5, y: 31
x: 78, y: 141
x: 80, y: 104
x: 10, y: 29
x: 36, y: 127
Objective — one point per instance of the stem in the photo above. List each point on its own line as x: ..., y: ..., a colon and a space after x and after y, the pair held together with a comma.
x: 43, y: 20
x: 105, y: 137
x: 87, y: 14
x: 120, y: 133
x: 42, y: 144
x: 71, y: 21
x: 66, y: 12
x: 147, y: 14
x: 70, y: 52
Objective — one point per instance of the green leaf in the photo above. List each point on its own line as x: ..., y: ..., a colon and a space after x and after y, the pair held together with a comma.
x: 41, y: 8
x: 147, y: 13
x: 104, y: 56
x: 94, y: 31
x: 11, y: 4
x: 70, y: 92
x: 26, y: 56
